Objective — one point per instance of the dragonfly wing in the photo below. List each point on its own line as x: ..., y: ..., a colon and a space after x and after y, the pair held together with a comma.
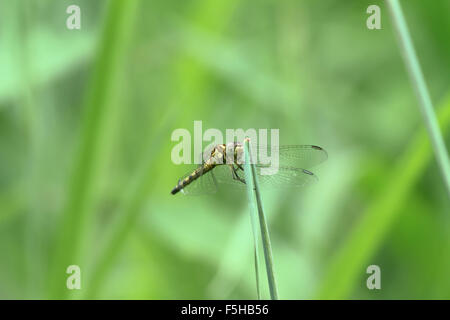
x: 292, y: 160
x: 205, y: 184
x: 295, y: 156
x: 287, y: 177
x: 224, y: 176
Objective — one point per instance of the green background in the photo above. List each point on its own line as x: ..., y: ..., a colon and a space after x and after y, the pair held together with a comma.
x: 86, y: 118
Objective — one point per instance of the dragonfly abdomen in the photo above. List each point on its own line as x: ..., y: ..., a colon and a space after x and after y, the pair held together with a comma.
x: 197, y: 173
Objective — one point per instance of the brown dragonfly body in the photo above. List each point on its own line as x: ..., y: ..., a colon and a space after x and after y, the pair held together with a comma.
x: 218, y: 156
x: 294, y: 160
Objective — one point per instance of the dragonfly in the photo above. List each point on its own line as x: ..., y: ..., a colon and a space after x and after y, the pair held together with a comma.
x: 223, y: 165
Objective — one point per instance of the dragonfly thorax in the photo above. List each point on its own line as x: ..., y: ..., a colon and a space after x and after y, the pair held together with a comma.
x: 231, y: 153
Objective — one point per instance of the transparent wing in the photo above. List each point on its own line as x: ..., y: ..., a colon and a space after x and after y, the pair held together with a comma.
x: 224, y: 175
x: 206, y: 184
x: 294, y: 156
x: 293, y: 162
x: 286, y: 177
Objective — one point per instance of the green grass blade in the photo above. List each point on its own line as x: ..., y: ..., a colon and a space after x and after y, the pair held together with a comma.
x: 128, y: 211
x: 421, y: 90
x: 256, y: 258
x: 255, y: 196
x: 254, y: 222
x: 98, y: 119
x: 351, y: 261
x: 190, y: 83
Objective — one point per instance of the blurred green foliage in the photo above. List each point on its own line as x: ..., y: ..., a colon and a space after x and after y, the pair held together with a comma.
x: 86, y: 118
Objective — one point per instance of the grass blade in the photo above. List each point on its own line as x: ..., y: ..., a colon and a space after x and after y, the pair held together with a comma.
x: 254, y: 195
x: 352, y: 258
x: 254, y: 222
x: 421, y: 90
x: 96, y: 131
x: 128, y: 211
x: 191, y: 82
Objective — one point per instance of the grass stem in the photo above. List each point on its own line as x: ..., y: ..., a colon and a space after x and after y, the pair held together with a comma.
x: 96, y: 136
x: 254, y: 195
x: 421, y: 90
x: 367, y: 236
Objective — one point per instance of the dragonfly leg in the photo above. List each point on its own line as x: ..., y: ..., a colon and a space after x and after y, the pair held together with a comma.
x: 235, y: 174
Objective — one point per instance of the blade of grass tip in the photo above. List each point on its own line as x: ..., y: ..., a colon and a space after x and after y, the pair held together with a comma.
x: 254, y: 195
x: 352, y: 259
x: 421, y: 90
x: 95, y: 134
